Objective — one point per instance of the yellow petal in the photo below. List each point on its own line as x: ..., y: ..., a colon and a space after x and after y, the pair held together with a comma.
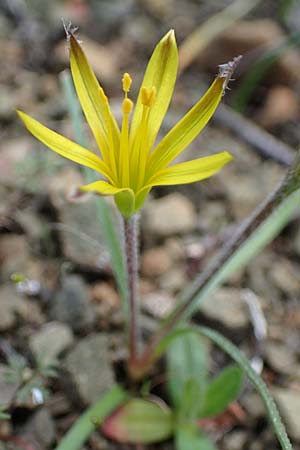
x: 185, y: 131
x: 124, y: 197
x: 63, y: 146
x: 160, y: 74
x: 92, y: 98
x: 191, y: 171
x: 103, y: 188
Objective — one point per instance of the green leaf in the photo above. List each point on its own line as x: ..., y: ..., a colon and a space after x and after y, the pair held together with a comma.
x: 188, y: 437
x: 193, y: 395
x: 229, y: 348
x: 186, y: 360
x: 222, y: 391
x: 140, y: 421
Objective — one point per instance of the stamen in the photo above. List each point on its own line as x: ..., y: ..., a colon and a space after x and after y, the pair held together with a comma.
x: 148, y: 96
x: 124, y: 142
x: 127, y: 106
x: 126, y: 82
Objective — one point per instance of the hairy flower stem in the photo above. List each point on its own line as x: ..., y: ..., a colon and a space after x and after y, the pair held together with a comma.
x: 188, y: 300
x: 131, y: 255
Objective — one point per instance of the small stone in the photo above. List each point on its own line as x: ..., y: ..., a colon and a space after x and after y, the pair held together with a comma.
x: 285, y: 276
x: 50, y: 341
x: 253, y: 185
x: 155, y: 262
x: 40, y: 427
x: 106, y: 299
x: 80, y: 231
x: 158, y: 305
x: 226, y: 306
x: 245, y: 36
x: 280, y: 106
x: 173, y: 281
x: 12, y: 305
x: 7, y: 388
x: 213, y: 217
x: 72, y: 304
x: 175, y: 249
x: 235, y: 440
x: 289, y: 403
x: 281, y: 358
x: 297, y: 243
x: 89, y: 366
x: 172, y: 214
x: 10, y: 246
x: 253, y: 404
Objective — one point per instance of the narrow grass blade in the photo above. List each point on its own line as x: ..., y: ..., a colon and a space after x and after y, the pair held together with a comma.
x: 106, y: 221
x: 92, y: 419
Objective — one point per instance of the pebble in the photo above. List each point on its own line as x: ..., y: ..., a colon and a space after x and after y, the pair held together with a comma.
x: 89, y: 367
x: 253, y: 404
x: 50, y: 341
x: 9, y: 304
x: 10, y: 246
x: 280, y: 106
x: 155, y: 262
x: 40, y: 428
x: 7, y: 389
x: 289, y: 404
x: 106, y: 299
x: 253, y: 186
x: 235, y: 440
x: 80, y: 231
x: 14, y: 305
x: 285, y: 276
x: 158, y: 304
x: 173, y: 281
x: 172, y: 214
x: 226, y: 306
x: 248, y: 35
x: 281, y: 358
x: 71, y: 304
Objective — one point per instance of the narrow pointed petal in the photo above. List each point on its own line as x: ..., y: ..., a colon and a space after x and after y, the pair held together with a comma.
x: 103, y: 188
x: 124, y: 197
x: 92, y: 98
x: 191, y: 171
x: 160, y: 73
x: 185, y: 131
x: 63, y: 146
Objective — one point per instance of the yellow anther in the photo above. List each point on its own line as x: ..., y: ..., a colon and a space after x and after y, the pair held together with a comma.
x: 126, y: 82
x: 152, y: 95
x: 148, y: 96
x: 127, y: 106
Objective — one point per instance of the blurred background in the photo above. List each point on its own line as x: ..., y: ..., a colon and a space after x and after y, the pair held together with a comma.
x: 57, y: 295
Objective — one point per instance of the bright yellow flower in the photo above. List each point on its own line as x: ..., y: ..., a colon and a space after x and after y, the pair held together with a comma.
x: 127, y: 160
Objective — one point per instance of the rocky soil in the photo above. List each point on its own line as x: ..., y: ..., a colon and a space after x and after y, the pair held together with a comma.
x: 63, y: 305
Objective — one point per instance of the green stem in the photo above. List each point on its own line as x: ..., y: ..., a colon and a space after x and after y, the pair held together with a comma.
x: 131, y: 255
x: 91, y: 419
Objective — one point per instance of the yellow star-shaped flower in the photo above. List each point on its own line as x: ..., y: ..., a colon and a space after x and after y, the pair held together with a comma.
x: 128, y: 159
